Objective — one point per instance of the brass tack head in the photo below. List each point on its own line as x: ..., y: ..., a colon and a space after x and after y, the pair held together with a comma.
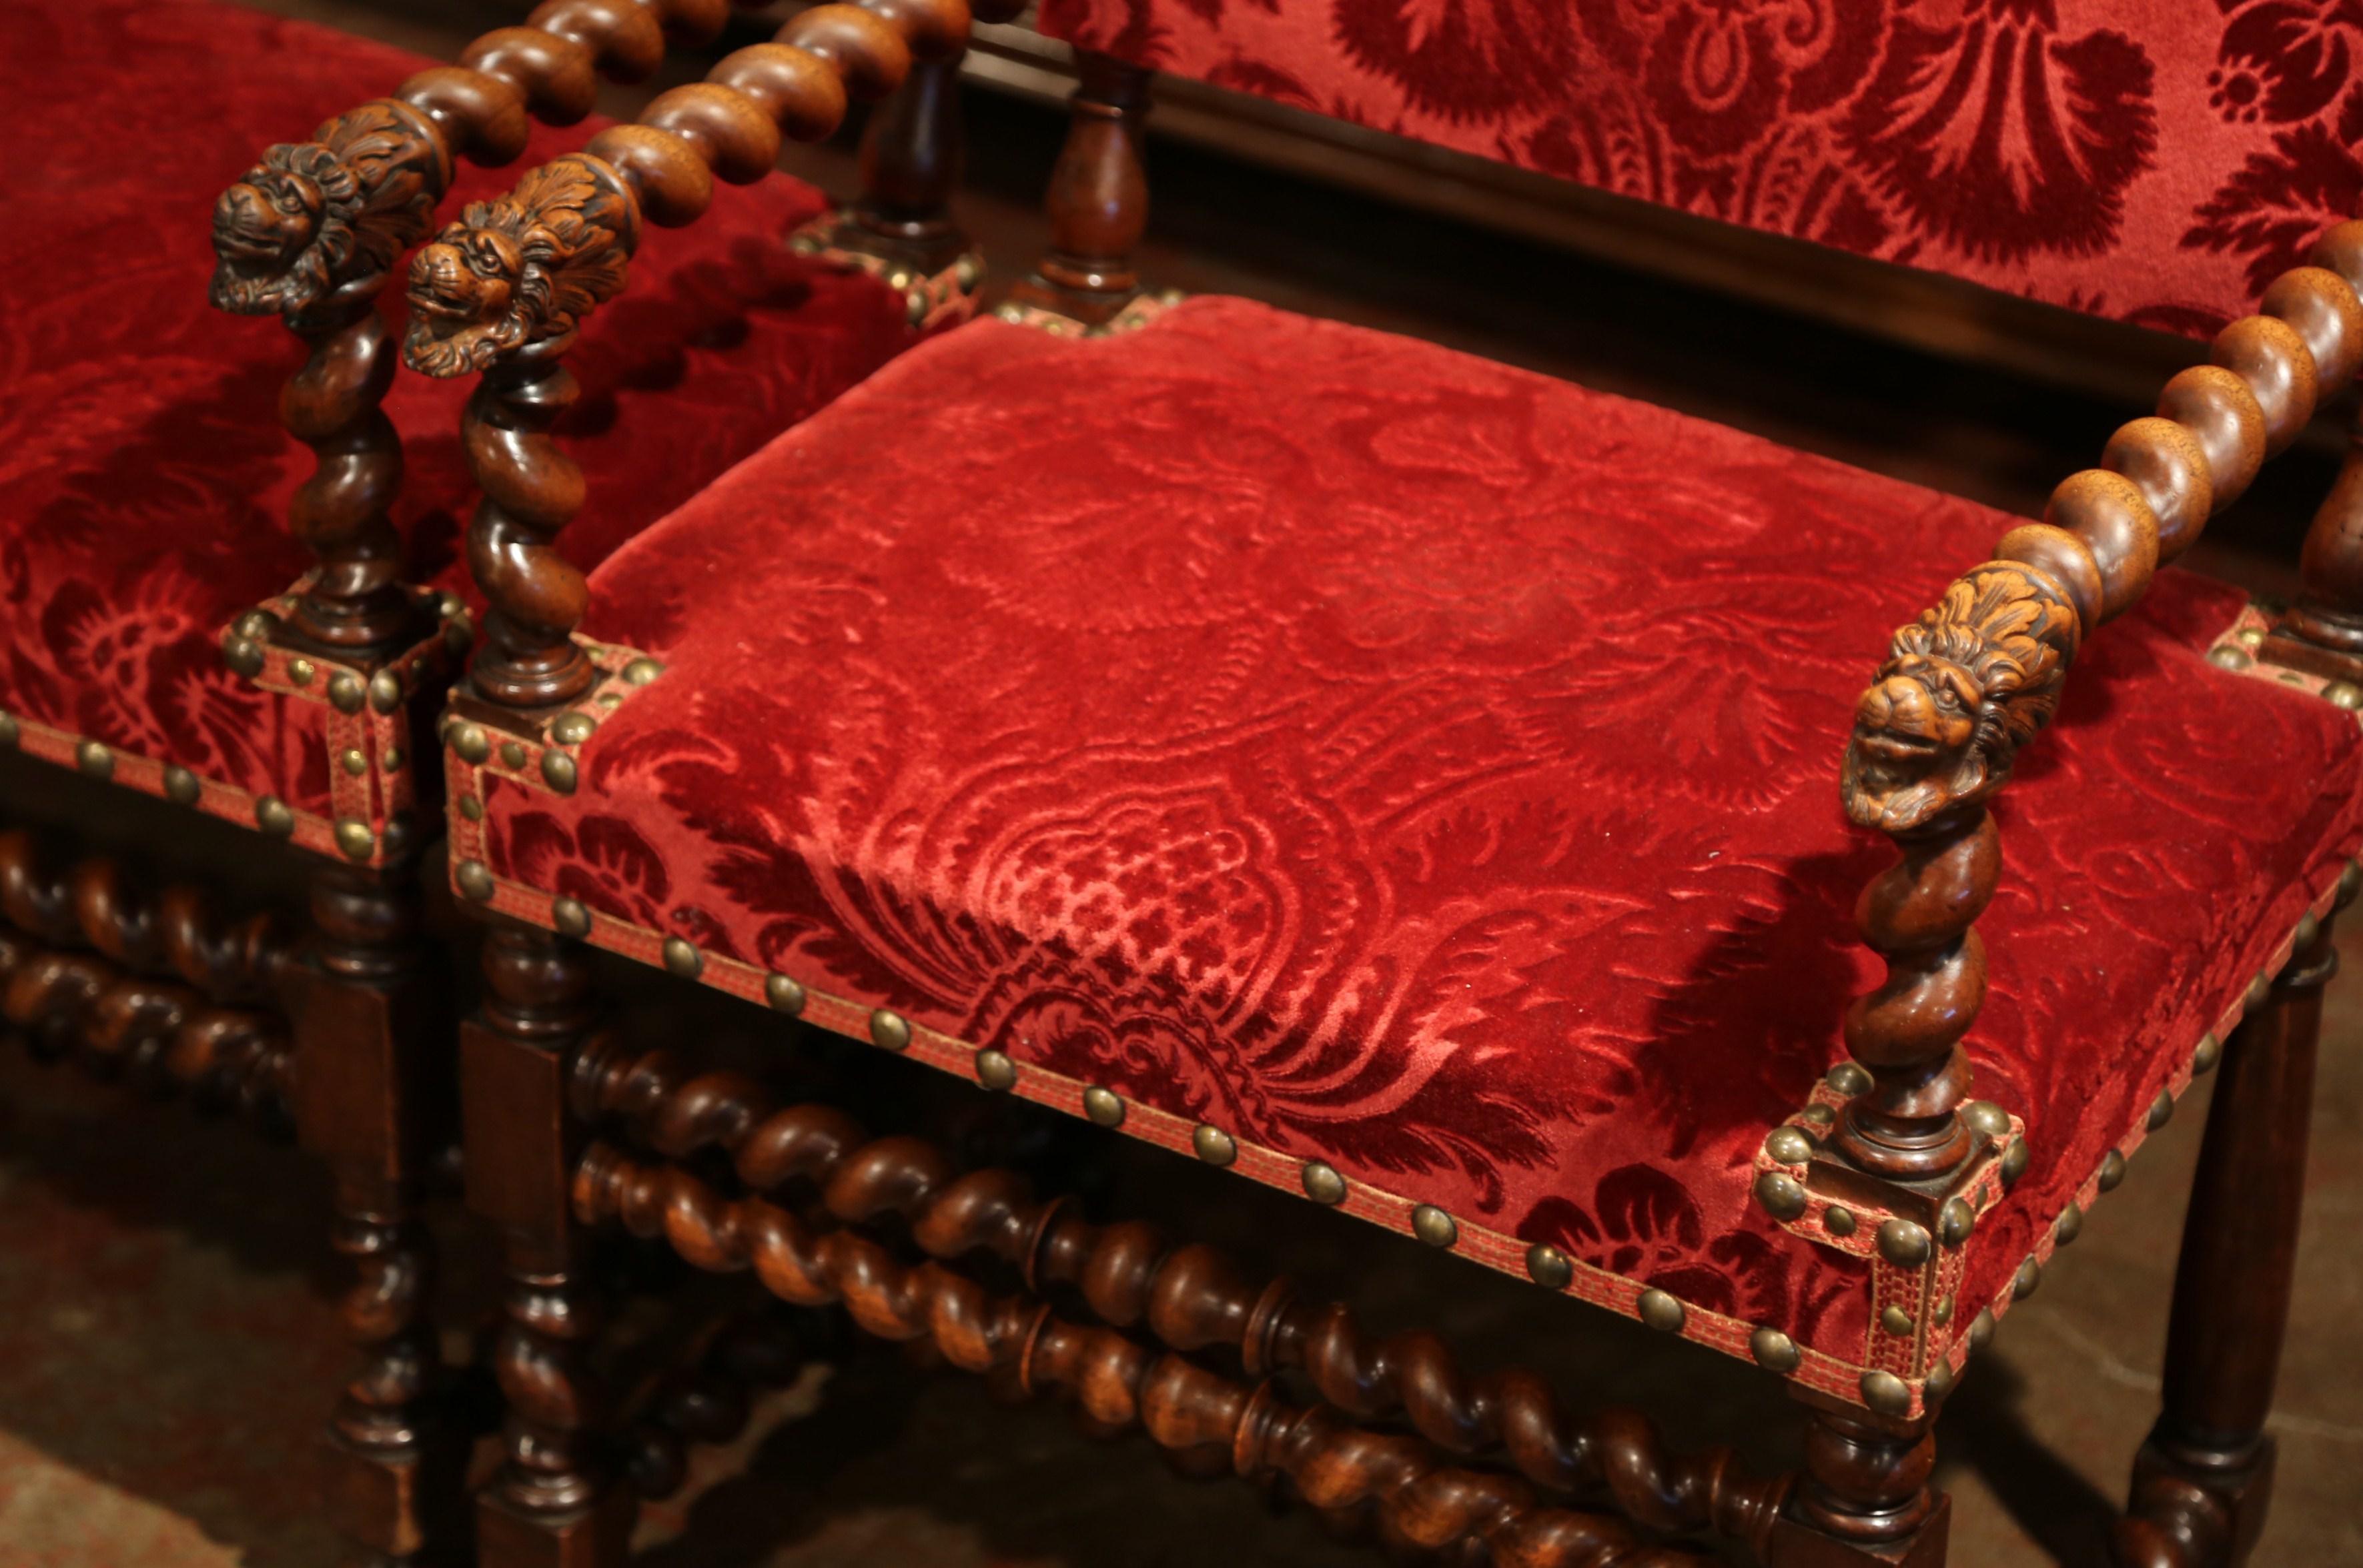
x: 457, y: 634
x: 272, y: 815
x: 473, y: 879
x: 804, y: 243
x: 1903, y: 1243
x: 1849, y: 1078
x: 1548, y: 1267
x: 2308, y: 928
x: 994, y: 1070
x: 609, y: 699
x: 914, y: 307
x: 900, y: 278
x: 393, y: 759
x: 2229, y: 657
x: 2014, y: 1162
x: 890, y: 1029
x: 2113, y: 1170
x: 682, y: 959
x: 512, y: 754
x: 401, y: 829
x: 346, y: 693
x: 256, y: 625
x: 243, y: 657
x: 1981, y: 1330
x: 470, y: 744
x: 2069, y: 1225
x: 1820, y: 1115
x: 1774, y: 1351
x: 1789, y: 1145
x: 1214, y: 1146
x: 2250, y: 636
x: 1782, y: 1196
x: 450, y: 604
x: 2209, y: 1053
x: 181, y: 786
x: 1939, y: 1381
x: 1955, y: 1222
x: 473, y: 808
x: 300, y: 670
x: 2161, y: 1109
x: 1886, y: 1394
x: 1104, y: 1106
x: 2350, y: 882
x: 2259, y: 992
x: 640, y: 672
x: 573, y: 728
x: 8, y: 730
x: 95, y: 759
x: 1942, y: 1313
x: 558, y: 771
x: 968, y: 269
x: 1838, y: 1220
x: 570, y: 917
x: 1009, y: 310
x: 1323, y: 1184
x: 2344, y: 694
x: 354, y: 837
x: 1434, y: 1226
x: 385, y: 691
x: 783, y: 994
x: 1896, y: 1322
x: 2030, y: 1274
x: 355, y: 762
x: 1660, y: 1311
x: 1984, y: 1116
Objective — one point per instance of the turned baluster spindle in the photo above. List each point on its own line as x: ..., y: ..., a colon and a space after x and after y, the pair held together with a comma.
x: 1098, y: 197
x: 511, y: 284
x: 1981, y: 674
x: 1191, y: 1297
x: 1114, y: 1383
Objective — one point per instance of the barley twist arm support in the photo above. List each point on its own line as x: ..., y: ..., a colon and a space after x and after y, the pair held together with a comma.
x: 1979, y: 674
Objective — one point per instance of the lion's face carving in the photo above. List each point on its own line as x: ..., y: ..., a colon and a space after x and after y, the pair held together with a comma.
x: 521, y: 270
x: 316, y: 216
x: 1963, y: 688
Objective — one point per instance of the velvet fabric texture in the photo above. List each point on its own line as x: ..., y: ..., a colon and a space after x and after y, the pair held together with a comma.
x: 2155, y: 161
x: 144, y: 477
x: 1389, y: 758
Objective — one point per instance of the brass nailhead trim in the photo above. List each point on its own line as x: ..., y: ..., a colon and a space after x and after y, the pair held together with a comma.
x: 1660, y: 1311
x: 1986, y: 1117
x: 890, y: 1029
x: 385, y: 691
x: 682, y: 959
x: 257, y: 625
x: 354, y: 762
x: 397, y: 838
x: 571, y: 916
x: 1323, y: 1184
x: 2113, y: 1170
x: 1954, y: 1220
x: 300, y: 671
x: 346, y: 693
x: 2161, y: 1109
x: 1774, y: 1351
x: 2259, y: 992
x: 1849, y: 1078
x: 1781, y: 1194
x: 473, y: 808
x: 558, y: 771
x: 1938, y: 1383
x: 1943, y: 1313
x: 242, y: 657
x: 470, y: 742
x: 1214, y: 1146
x: 1896, y: 1322
x: 1839, y: 1220
x: 573, y: 728
x: 1789, y: 1145
x: 994, y: 1070
x: 473, y: 879
x: 1104, y: 1106
x: 1903, y: 1243
x: 354, y: 837
x: 2014, y: 1162
x: 2210, y: 1051
x: 640, y: 672
x: 95, y: 759
x: 181, y: 786
x: 2069, y: 1225
x: 1819, y: 1114
x: 1981, y: 1330
x: 8, y: 730
x: 1548, y: 1266
x: 2030, y: 1274
x: 1434, y: 1226
x: 394, y: 759
x: 512, y: 754
x: 1886, y: 1394
x: 272, y: 815
x: 783, y: 994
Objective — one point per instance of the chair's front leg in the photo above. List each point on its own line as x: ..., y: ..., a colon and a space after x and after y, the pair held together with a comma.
x: 1864, y: 1497
x: 366, y: 1027
x: 555, y: 1503
x: 2201, y: 1481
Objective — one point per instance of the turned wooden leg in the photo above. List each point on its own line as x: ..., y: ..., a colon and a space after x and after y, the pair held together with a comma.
x: 1864, y: 1497
x: 365, y: 1025
x: 555, y: 1503
x: 2201, y: 1481
x: 1098, y: 200
x: 911, y: 157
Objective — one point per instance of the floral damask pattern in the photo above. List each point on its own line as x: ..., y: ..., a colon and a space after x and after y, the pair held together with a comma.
x: 2150, y: 159
x: 144, y: 479
x: 1400, y: 760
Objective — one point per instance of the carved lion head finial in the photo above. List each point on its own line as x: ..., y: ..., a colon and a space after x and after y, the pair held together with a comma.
x: 316, y: 216
x: 520, y: 270
x: 1963, y: 688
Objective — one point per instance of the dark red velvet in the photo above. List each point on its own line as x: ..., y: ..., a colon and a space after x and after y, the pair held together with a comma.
x: 1402, y: 760
x: 143, y: 475
x: 2155, y: 161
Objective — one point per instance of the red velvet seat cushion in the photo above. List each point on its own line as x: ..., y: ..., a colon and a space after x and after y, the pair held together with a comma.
x: 1389, y: 758
x: 144, y: 479
x: 2155, y: 161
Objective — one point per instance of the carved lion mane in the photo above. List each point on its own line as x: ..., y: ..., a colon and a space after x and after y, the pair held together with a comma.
x: 1963, y: 688
x: 522, y: 270
x: 313, y: 217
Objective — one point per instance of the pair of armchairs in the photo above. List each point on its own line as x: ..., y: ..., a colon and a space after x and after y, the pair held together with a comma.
x: 1388, y: 776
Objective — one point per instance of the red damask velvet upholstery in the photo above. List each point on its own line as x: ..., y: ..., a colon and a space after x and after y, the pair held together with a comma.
x: 1391, y: 758
x: 143, y: 475
x: 2155, y: 161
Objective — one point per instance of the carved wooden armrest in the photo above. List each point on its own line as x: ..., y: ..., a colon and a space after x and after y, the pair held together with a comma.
x: 503, y: 291
x: 312, y: 231
x: 1979, y: 674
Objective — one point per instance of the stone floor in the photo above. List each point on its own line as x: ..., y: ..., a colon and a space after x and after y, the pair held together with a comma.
x: 166, y: 1345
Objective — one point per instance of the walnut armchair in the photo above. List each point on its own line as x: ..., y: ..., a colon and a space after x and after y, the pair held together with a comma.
x: 1437, y: 893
